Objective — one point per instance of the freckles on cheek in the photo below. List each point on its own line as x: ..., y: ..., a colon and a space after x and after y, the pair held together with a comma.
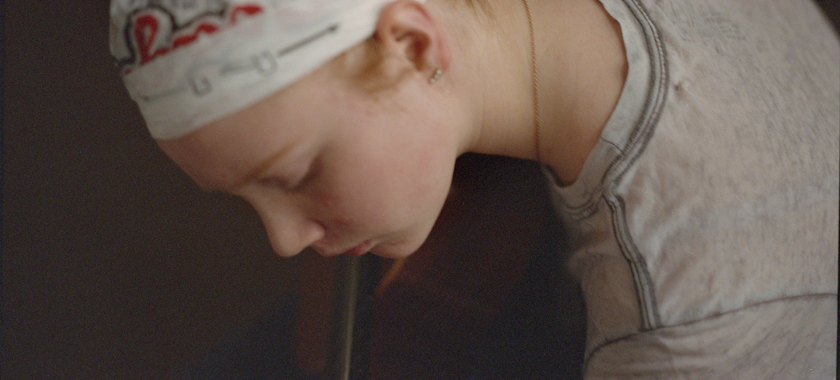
x: 337, y: 210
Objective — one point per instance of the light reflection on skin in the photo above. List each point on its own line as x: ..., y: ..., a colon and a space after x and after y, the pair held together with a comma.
x: 363, y: 175
x: 374, y: 169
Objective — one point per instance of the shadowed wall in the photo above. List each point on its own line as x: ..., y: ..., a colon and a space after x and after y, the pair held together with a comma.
x: 115, y: 266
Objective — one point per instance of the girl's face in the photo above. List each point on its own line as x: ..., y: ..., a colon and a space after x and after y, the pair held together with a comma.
x: 331, y: 168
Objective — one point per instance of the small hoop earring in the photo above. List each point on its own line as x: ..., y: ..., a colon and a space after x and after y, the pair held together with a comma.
x: 436, y: 76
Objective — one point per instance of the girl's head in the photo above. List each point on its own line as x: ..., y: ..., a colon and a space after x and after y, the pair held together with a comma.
x: 320, y: 113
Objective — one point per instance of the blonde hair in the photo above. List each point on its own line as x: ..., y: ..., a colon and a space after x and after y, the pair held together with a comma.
x: 365, y: 67
x: 365, y: 64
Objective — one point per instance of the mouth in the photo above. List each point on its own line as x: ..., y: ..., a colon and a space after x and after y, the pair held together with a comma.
x: 360, y: 249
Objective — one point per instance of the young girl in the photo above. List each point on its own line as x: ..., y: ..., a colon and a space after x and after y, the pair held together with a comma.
x: 692, y: 148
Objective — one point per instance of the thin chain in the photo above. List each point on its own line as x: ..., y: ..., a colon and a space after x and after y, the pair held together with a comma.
x: 534, y: 78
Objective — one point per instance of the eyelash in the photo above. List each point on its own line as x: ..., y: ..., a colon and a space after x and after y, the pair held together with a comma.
x: 286, y: 186
x: 301, y: 183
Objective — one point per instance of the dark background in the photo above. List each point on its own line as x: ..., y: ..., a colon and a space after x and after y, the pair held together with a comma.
x: 114, y: 265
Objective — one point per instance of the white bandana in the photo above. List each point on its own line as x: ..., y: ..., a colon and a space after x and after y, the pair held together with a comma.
x: 189, y: 62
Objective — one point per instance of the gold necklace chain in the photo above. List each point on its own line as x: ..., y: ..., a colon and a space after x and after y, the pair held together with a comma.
x: 534, y: 78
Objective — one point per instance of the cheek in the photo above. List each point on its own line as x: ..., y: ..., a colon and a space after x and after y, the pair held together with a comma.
x: 385, y: 176
x: 347, y: 201
x: 390, y: 195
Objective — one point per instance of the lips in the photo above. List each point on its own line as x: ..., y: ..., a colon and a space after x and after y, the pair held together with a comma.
x: 360, y: 249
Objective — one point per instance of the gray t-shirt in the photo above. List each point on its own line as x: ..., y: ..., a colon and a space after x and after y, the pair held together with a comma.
x: 704, y: 225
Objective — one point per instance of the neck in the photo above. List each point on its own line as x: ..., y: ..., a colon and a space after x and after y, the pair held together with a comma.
x: 581, y: 69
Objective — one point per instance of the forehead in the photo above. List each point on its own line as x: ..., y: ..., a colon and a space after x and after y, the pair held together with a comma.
x: 224, y: 153
x: 221, y: 154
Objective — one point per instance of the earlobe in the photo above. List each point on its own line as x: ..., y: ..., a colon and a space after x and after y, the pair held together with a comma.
x: 409, y: 32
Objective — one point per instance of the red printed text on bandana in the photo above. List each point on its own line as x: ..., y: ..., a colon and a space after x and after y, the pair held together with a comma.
x: 154, y: 31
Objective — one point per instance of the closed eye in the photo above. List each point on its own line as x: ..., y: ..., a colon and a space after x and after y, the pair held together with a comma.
x: 289, y: 186
x: 276, y: 182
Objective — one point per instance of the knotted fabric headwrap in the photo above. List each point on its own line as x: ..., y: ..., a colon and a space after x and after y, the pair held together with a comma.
x: 189, y: 62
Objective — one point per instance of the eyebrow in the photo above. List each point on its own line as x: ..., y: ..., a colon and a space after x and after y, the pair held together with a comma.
x: 262, y: 166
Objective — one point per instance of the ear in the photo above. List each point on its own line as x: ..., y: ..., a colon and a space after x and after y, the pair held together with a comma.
x: 408, y: 32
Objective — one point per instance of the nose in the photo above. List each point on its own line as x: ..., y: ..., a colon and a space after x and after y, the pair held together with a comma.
x: 289, y: 231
